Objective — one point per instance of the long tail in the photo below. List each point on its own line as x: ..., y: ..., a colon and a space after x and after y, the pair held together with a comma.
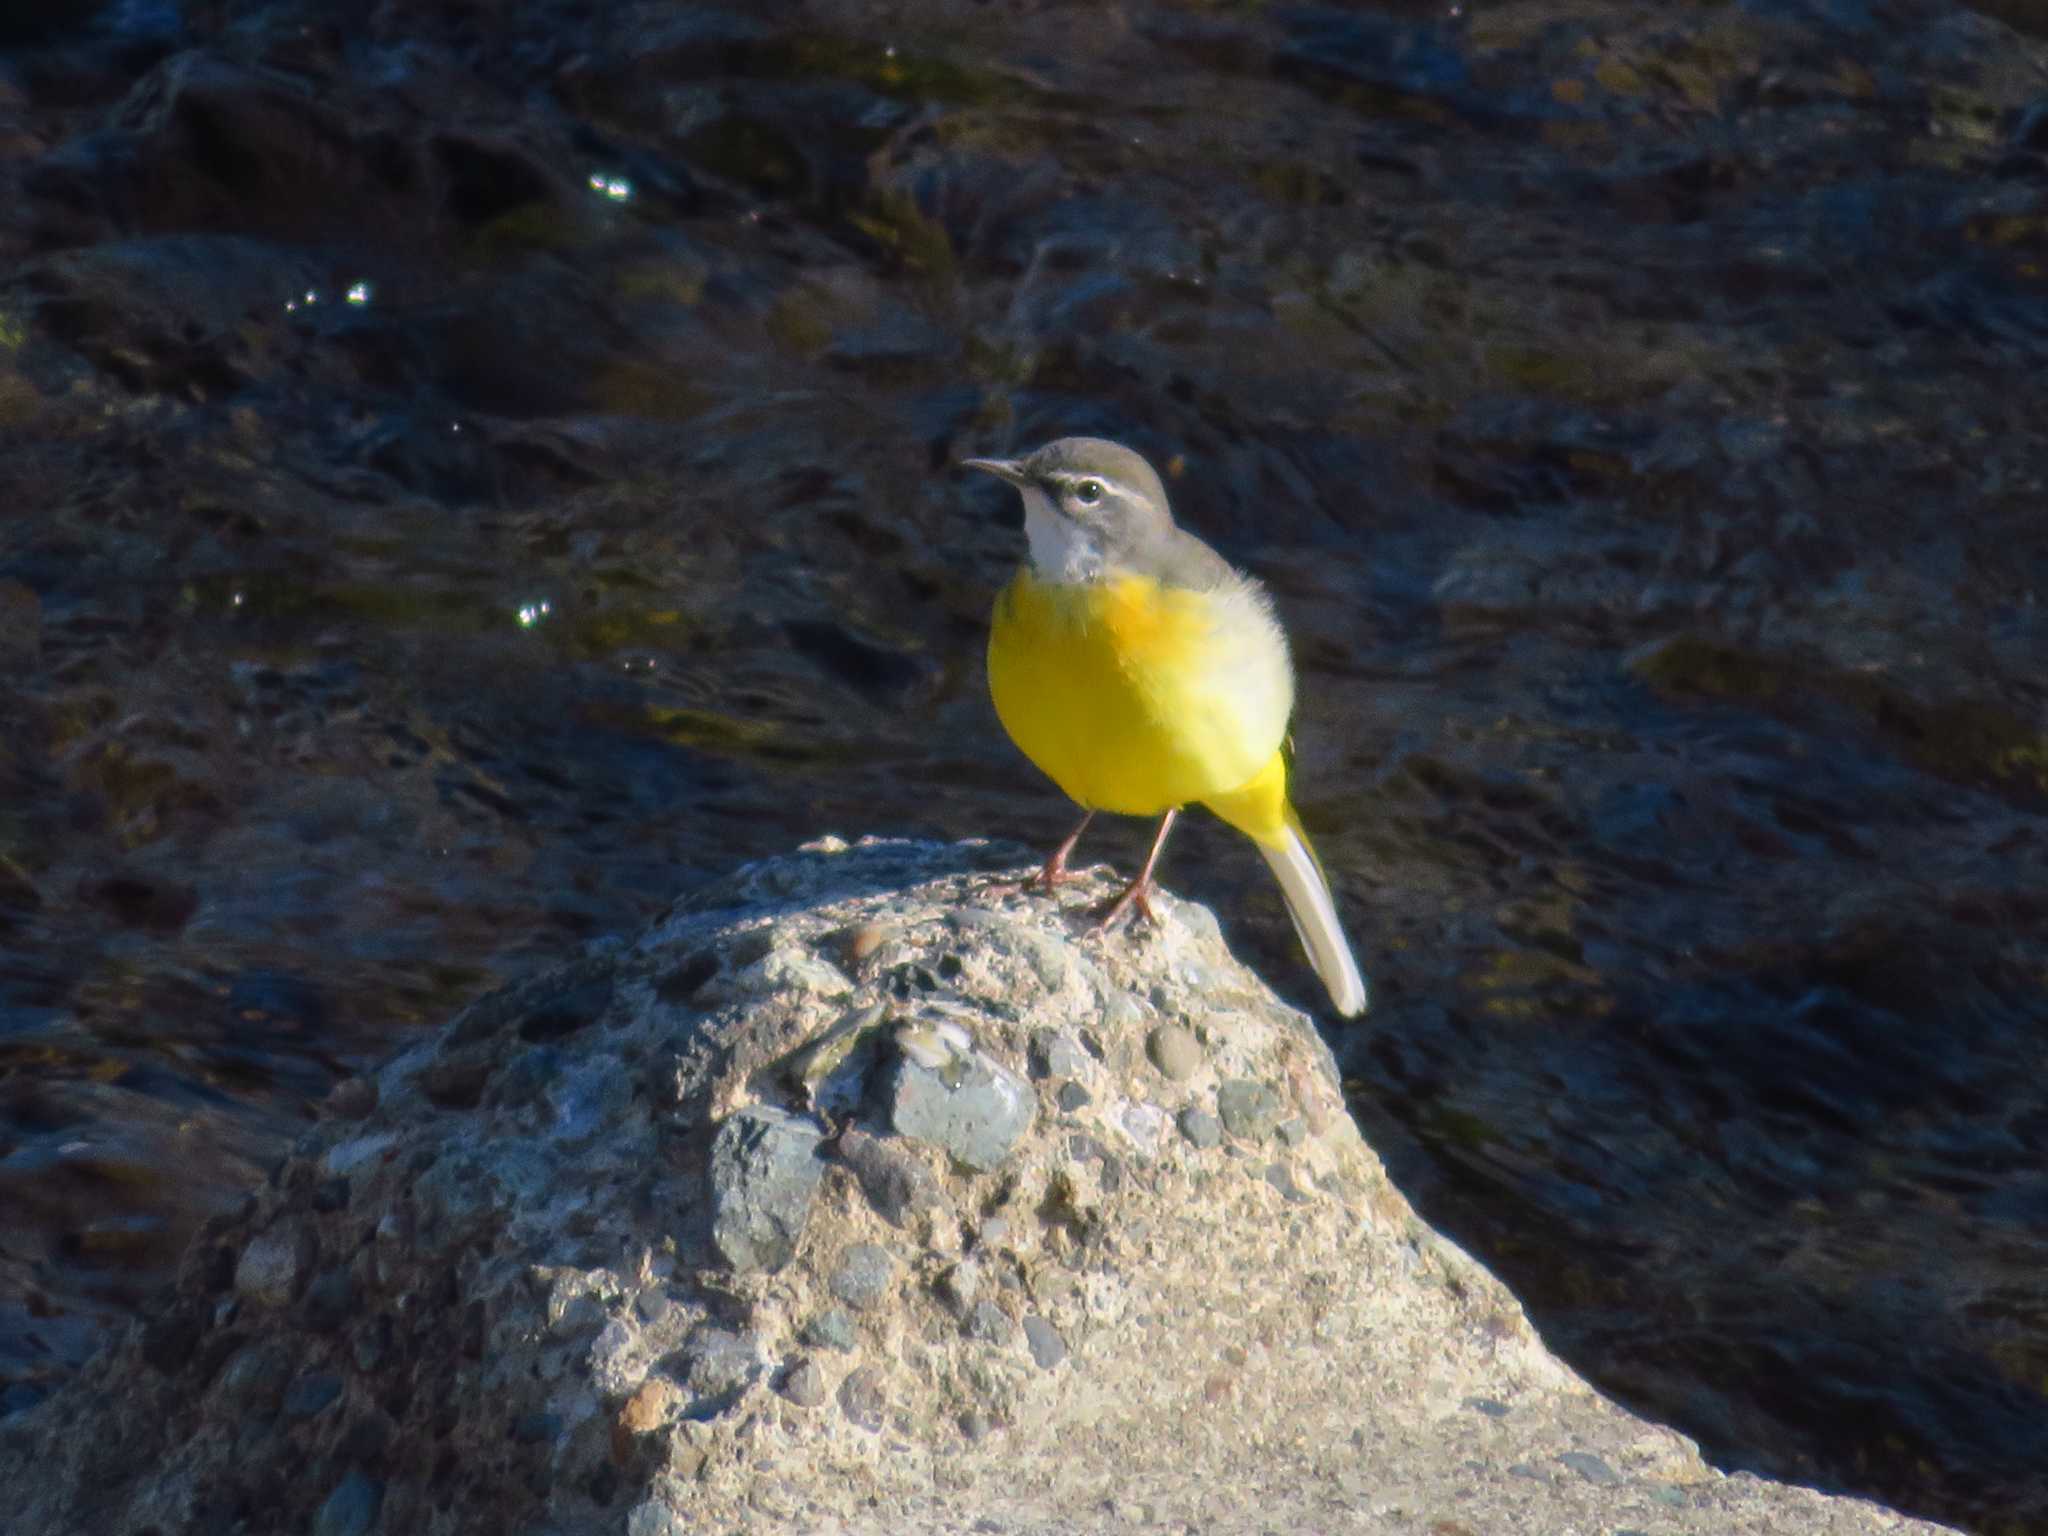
x: 1261, y: 811
x: 1314, y: 912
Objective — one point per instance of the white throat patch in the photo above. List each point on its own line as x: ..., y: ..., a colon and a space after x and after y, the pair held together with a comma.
x: 1061, y: 550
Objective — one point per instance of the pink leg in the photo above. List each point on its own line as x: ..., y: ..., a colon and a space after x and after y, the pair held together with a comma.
x: 1056, y: 867
x: 1054, y: 874
x: 1138, y: 892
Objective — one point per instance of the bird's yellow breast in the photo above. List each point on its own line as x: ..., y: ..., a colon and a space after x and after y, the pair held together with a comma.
x: 1134, y: 696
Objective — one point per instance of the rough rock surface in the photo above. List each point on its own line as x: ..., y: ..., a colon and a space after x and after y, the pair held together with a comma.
x: 562, y: 1268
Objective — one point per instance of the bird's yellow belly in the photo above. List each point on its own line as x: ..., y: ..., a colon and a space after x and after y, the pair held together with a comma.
x: 1134, y: 697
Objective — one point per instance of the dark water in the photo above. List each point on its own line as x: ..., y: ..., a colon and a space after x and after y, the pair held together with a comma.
x: 1637, y: 412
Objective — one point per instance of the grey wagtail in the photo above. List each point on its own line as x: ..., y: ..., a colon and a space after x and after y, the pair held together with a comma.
x: 1140, y: 671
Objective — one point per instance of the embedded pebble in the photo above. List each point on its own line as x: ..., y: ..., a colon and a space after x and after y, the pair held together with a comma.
x: 1590, y: 1467
x: 1072, y: 1096
x: 864, y: 1275
x: 866, y: 939
x: 1121, y: 1012
x: 1175, y: 1051
x: 988, y: 1323
x: 310, y: 1394
x: 618, y: 1357
x: 1046, y: 954
x: 896, y: 1184
x: 960, y: 1284
x: 329, y: 1301
x: 804, y: 1384
x: 1281, y: 1177
x: 648, y: 1408
x: 1047, y: 1347
x: 718, y: 1361
x: 832, y: 1328
x: 764, y: 1170
x: 353, y: 1098
x: 975, y: 1109
x: 254, y: 1378
x: 1202, y: 1129
x: 274, y: 1264
x: 861, y: 1399
x: 1146, y: 1125
x: 1249, y: 1109
x: 351, y: 1509
x: 1055, y: 1053
x: 1292, y: 1131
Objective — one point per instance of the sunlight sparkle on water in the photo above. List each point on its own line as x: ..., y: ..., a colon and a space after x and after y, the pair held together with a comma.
x: 531, y: 614
x: 617, y: 188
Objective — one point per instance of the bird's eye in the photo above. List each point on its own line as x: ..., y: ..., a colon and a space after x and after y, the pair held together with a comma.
x: 1088, y: 492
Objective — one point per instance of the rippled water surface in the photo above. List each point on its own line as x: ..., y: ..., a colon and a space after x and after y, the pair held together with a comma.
x: 471, y: 473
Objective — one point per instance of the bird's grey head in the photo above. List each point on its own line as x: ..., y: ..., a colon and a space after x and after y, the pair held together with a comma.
x: 1089, y: 504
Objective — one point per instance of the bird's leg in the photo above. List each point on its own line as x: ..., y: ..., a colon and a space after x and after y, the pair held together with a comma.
x: 1138, y: 892
x: 1056, y: 867
x: 1054, y: 874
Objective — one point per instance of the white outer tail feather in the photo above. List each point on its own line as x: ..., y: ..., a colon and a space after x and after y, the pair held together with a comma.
x: 1314, y: 912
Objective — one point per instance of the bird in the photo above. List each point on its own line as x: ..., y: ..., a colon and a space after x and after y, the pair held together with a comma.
x: 1142, y: 672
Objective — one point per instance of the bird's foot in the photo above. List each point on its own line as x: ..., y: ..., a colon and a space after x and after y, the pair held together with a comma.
x: 1053, y: 875
x: 1137, y: 896
x: 1048, y: 880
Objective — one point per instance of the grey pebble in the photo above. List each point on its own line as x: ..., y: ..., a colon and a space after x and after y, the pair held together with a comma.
x: 1491, y: 1407
x: 718, y: 1361
x: 1046, y: 955
x: 976, y: 1425
x: 1201, y: 1128
x: 310, y: 1394
x: 804, y: 1384
x: 1072, y: 1096
x: 1174, y: 1051
x: 1281, y: 1177
x: 329, y: 1300
x: 896, y: 1184
x: 254, y: 1378
x: 975, y: 1109
x: 1055, y: 1053
x: 1047, y: 1347
x: 351, y: 1509
x: 832, y: 1328
x: 987, y: 1323
x: 1292, y: 1131
x: 960, y: 1284
x: 1122, y: 1013
x: 864, y: 1275
x: 274, y: 1264
x: 1590, y: 1467
x: 653, y: 1304
x: 861, y: 1399
x: 764, y: 1170
x: 1249, y: 1109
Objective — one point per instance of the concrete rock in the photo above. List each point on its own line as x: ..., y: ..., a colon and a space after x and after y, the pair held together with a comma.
x: 595, y: 1269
